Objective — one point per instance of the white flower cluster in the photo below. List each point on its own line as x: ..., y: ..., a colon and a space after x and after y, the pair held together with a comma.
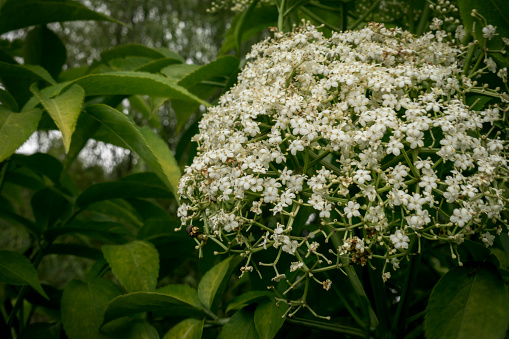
x: 369, y: 128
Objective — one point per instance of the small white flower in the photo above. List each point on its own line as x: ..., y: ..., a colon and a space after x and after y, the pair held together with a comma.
x: 487, y: 239
x: 295, y: 266
x: 489, y: 32
x: 352, y: 209
x: 399, y: 240
x: 460, y: 216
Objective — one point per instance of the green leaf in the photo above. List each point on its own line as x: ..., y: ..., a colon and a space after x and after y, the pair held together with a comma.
x: 165, y: 158
x: 186, y: 329
x: 15, y: 129
x: 240, y: 326
x: 135, y: 264
x: 102, y: 230
x: 468, y: 302
x: 129, y: 63
x: 142, y: 141
x: 16, y: 269
x: 63, y: 109
x: 259, y: 19
x: 157, y: 65
x: 140, y: 51
x: 43, y: 47
x: 221, y: 69
x: 477, y: 251
x: 269, y: 318
x: 247, y: 298
x: 116, y: 210
x: 82, y: 251
x: 131, y: 329
x: 83, y: 306
x: 85, y: 129
x: 29, y: 72
x: 138, y: 185
x: 17, y: 14
x: 41, y: 163
x: 211, y: 281
x: 238, y: 30
x: 148, y: 209
x: 496, y: 13
x: 50, y: 207
x: 169, y: 300
x: 178, y: 72
x: 8, y: 100
x: 130, y: 83
x: 223, y: 66
x: 41, y: 331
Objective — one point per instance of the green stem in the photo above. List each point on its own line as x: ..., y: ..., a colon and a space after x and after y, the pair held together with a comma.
x: 318, y: 19
x: 281, y: 17
x: 347, y: 305
x: 358, y: 288
x: 326, y: 327
x: 22, y: 293
x: 378, y: 289
x: 399, y: 322
x: 468, y: 59
x: 364, y: 15
x: 424, y: 19
x: 2, y: 174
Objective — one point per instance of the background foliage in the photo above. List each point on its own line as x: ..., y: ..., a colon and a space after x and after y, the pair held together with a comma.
x: 91, y: 251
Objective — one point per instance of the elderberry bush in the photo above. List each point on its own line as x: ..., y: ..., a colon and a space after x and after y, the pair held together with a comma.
x: 369, y: 130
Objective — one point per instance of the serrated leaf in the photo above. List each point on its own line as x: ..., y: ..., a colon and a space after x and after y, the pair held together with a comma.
x: 63, y: 109
x: 131, y: 83
x: 477, y: 251
x: 145, y: 143
x: 135, y: 264
x: 43, y: 47
x: 129, y: 63
x: 169, y: 300
x: 211, y: 281
x: 178, y: 72
x: 131, y: 329
x: 41, y: 163
x: 240, y: 326
x: 260, y: 18
x: 8, y: 100
x: 138, y: 185
x: 17, y: 14
x: 16, y: 269
x: 246, y: 299
x: 186, y: 329
x: 15, y: 129
x: 111, y: 231
x: 269, y: 318
x: 86, y: 126
x: 49, y: 207
x: 468, y: 302
x: 29, y: 72
x: 157, y: 65
x: 138, y: 50
x: 164, y: 156
x: 83, y: 306
x: 222, y: 66
x: 41, y: 331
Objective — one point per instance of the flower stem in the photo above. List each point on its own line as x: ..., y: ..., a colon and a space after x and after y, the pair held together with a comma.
x: 319, y: 325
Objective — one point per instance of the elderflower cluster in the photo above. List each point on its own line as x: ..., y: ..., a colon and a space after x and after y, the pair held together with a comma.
x: 344, y: 150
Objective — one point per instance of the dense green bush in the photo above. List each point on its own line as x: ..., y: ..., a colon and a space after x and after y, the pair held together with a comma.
x: 347, y: 179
